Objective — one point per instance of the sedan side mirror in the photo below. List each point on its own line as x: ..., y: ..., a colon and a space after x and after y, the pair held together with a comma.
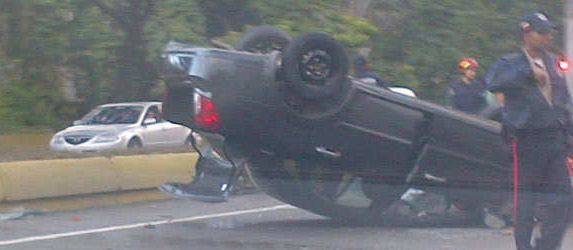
x: 148, y: 121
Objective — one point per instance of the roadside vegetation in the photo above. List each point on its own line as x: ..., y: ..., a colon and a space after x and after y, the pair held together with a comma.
x: 60, y: 58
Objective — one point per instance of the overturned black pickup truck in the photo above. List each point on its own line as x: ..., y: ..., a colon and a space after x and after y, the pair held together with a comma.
x: 316, y: 138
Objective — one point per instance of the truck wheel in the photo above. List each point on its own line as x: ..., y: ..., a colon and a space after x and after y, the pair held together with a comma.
x: 264, y: 40
x: 316, y: 66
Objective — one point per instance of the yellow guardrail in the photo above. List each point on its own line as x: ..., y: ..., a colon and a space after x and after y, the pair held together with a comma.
x: 25, y: 180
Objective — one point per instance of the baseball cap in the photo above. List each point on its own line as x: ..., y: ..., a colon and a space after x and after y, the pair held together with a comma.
x: 538, y: 22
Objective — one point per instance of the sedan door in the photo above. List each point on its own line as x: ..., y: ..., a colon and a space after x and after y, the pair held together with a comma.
x: 153, y: 129
x: 175, y: 135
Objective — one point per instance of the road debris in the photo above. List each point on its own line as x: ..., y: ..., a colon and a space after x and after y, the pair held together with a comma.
x: 18, y: 213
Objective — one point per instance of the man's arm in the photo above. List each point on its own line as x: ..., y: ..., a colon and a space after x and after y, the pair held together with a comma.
x: 504, y: 76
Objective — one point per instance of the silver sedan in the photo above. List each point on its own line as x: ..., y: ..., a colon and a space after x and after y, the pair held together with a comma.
x: 120, y: 127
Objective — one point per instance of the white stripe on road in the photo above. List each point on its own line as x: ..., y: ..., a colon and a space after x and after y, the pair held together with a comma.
x: 143, y: 224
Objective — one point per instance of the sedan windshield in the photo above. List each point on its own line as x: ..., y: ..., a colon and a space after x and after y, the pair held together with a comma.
x: 113, y: 115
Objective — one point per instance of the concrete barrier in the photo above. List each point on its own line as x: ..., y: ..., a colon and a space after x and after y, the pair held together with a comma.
x: 153, y: 170
x: 36, y: 179
x: 26, y: 180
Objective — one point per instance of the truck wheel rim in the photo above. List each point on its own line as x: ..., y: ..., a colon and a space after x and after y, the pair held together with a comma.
x: 316, y: 66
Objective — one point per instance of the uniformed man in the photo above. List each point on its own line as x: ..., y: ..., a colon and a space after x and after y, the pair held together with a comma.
x: 363, y: 73
x: 467, y: 94
x: 537, y: 112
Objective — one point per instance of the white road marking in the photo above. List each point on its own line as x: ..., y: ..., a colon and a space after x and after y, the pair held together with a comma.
x: 143, y: 224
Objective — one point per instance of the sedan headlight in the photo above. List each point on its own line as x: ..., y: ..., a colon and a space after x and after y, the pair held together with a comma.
x: 58, y: 139
x: 105, y: 138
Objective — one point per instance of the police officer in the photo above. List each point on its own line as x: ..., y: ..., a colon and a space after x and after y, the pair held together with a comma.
x: 363, y: 73
x: 536, y: 111
x: 467, y: 94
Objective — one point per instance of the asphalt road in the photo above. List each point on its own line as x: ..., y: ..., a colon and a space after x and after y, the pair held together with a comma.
x: 245, y: 222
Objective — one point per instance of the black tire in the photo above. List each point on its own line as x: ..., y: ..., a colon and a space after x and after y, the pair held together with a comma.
x: 264, y: 40
x: 134, y: 145
x: 316, y: 66
x: 298, y: 186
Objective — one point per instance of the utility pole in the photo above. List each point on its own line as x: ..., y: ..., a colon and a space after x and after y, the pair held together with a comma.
x: 568, y: 37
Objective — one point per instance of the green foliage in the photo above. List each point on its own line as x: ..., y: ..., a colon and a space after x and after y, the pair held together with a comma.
x: 300, y: 17
x: 179, y: 20
x: 354, y: 31
x: 44, y: 43
x: 31, y: 88
x: 430, y: 36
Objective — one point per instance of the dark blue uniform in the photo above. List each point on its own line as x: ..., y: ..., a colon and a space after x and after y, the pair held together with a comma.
x: 541, y: 132
x: 469, y: 98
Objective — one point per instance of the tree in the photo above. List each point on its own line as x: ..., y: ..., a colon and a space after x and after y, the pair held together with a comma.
x: 303, y: 16
x: 358, y: 8
x: 179, y: 20
x: 107, y: 49
x: 135, y: 75
x: 428, y: 37
x: 33, y: 44
x: 226, y: 15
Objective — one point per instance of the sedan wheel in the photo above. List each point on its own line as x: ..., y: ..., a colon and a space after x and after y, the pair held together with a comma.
x: 134, y: 146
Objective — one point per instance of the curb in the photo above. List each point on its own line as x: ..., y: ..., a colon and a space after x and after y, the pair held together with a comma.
x: 69, y: 203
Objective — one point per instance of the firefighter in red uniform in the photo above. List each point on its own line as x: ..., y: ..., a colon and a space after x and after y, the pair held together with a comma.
x: 467, y: 94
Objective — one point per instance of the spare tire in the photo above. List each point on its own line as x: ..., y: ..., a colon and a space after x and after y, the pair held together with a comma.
x: 316, y: 66
x: 264, y: 40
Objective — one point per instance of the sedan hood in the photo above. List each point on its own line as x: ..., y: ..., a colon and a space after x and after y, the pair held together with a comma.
x: 93, y: 130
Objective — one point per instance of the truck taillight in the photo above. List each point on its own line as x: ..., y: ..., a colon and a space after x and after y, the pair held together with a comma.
x: 563, y: 64
x: 206, y: 112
